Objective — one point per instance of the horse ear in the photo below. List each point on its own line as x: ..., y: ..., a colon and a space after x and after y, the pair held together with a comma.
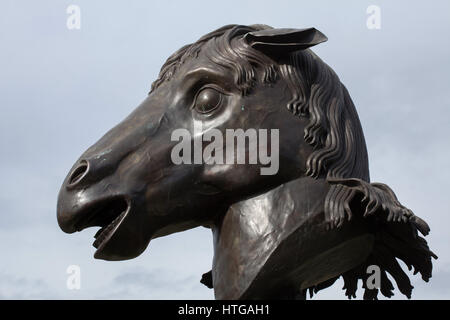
x: 282, y: 41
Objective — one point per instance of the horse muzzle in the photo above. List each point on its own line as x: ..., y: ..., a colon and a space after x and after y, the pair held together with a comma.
x: 83, y: 204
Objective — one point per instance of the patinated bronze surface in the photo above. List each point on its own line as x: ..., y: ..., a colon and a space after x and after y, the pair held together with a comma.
x: 275, y: 236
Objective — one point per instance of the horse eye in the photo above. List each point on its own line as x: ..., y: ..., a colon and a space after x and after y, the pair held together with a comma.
x: 207, y: 100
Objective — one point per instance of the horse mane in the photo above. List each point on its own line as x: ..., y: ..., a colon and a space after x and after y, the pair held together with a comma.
x: 339, y: 152
x: 340, y: 157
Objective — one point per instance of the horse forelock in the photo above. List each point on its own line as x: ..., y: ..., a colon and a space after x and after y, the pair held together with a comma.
x: 226, y: 52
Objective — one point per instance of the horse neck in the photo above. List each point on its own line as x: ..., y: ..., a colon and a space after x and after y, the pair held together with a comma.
x: 252, y: 230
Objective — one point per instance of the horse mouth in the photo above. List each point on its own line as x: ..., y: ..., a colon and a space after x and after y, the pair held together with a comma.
x: 106, y: 214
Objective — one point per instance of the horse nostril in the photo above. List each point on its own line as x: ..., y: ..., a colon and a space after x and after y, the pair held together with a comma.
x: 79, y: 172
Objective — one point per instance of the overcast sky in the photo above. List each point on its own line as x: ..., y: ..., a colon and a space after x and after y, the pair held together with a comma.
x: 61, y: 89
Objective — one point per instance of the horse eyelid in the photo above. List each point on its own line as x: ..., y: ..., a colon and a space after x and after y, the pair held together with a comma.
x: 214, y: 87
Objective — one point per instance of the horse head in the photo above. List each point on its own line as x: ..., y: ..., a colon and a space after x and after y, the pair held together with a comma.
x: 249, y: 133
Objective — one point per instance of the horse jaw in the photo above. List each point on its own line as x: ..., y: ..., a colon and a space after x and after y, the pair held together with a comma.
x: 262, y: 245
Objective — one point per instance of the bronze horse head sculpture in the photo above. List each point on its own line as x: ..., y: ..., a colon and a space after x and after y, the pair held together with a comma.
x: 314, y: 218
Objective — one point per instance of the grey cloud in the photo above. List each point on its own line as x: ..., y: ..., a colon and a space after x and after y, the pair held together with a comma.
x: 16, y: 287
x: 151, y: 284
